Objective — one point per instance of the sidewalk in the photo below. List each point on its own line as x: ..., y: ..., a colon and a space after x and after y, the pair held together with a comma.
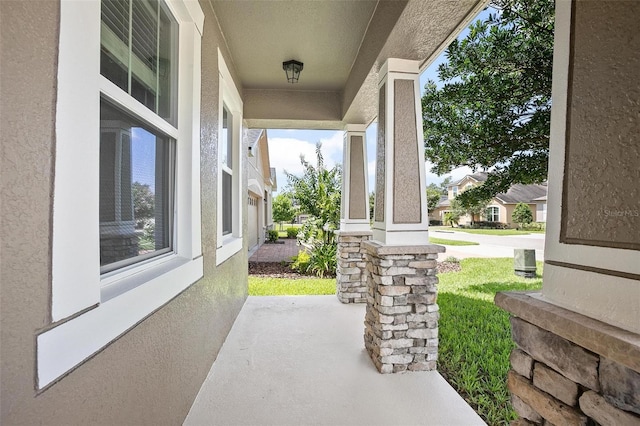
x: 276, y: 252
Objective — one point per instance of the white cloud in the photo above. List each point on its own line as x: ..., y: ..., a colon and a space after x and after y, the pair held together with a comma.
x: 285, y: 153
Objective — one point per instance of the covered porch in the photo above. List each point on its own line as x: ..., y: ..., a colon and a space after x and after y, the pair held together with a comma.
x: 296, y: 360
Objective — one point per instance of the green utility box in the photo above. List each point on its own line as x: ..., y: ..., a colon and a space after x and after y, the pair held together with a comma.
x: 524, y: 262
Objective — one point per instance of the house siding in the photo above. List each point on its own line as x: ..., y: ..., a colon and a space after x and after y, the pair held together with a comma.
x: 152, y: 373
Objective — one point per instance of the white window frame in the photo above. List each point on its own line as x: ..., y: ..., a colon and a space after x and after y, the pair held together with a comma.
x: 493, y: 207
x: 89, y: 311
x: 454, y: 191
x: 230, y: 244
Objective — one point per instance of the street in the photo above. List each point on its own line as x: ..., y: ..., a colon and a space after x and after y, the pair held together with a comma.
x: 489, y: 245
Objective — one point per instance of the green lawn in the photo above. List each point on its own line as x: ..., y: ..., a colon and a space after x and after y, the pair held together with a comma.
x: 475, y: 338
x: 261, y: 286
x: 451, y: 242
x: 487, y: 231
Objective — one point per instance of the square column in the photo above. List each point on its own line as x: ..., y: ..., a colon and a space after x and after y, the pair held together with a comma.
x: 400, y: 216
x: 354, y: 212
x: 351, y: 285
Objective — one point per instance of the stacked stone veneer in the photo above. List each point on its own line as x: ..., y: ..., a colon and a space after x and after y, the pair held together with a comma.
x: 401, y: 323
x: 556, y: 381
x: 351, y: 286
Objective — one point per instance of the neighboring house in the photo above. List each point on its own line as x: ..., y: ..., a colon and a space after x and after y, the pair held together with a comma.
x: 106, y: 318
x: 500, y: 208
x: 261, y: 183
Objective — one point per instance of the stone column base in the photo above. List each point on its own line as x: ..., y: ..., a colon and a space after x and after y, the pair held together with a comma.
x: 401, y: 324
x: 569, y: 368
x: 351, y: 285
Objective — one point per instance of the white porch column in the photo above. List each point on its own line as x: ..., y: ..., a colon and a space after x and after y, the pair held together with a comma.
x: 400, y: 216
x: 354, y: 214
x: 401, y: 324
x: 351, y: 285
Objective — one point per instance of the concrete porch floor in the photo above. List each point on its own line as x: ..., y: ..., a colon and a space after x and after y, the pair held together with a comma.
x: 300, y: 360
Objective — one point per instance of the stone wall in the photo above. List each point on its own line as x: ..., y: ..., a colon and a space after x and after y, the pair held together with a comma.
x: 401, y: 323
x: 554, y: 380
x: 351, y: 285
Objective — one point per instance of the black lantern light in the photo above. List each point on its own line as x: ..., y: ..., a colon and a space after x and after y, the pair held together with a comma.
x: 292, y: 68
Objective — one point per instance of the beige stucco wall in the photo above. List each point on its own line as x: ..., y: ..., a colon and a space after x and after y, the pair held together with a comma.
x: 152, y: 373
x: 600, y: 282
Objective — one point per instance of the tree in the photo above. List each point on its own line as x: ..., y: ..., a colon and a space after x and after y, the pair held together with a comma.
x: 372, y: 202
x: 318, y: 193
x: 283, y: 210
x: 522, y: 214
x: 143, y: 202
x: 444, y: 185
x: 476, y: 209
x: 493, y: 112
x: 451, y: 218
x: 434, y: 193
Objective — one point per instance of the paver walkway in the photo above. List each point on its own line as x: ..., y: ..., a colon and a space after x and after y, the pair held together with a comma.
x: 276, y: 252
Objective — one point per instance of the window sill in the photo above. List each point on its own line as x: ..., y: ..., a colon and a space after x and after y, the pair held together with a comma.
x: 230, y: 246
x: 97, y: 328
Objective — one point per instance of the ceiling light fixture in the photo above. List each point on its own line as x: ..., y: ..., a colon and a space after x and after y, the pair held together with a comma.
x: 292, y: 68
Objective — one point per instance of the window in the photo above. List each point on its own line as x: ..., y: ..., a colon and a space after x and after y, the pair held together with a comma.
x: 230, y: 198
x: 455, y: 191
x: 226, y: 149
x: 493, y: 214
x: 126, y: 208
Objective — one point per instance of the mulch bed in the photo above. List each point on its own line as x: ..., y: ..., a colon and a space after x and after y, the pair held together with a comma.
x: 282, y: 270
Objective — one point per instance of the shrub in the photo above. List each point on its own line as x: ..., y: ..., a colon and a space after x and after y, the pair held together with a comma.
x: 522, y: 214
x: 452, y: 259
x: 534, y: 226
x: 488, y: 225
x: 323, y: 260
x: 292, y: 232
x: 272, y: 235
x: 301, y: 262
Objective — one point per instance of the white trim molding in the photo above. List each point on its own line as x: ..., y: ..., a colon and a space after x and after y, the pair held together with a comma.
x: 230, y: 244
x: 89, y: 311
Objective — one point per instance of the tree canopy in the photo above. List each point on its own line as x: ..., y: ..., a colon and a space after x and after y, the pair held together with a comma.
x: 282, y: 208
x: 434, y: 192
x: 522, y: 214
x: 318, y: 192
x: 493, y: 111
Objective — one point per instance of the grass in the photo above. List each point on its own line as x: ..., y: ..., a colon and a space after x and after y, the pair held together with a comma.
x: 282, y: 233
x: 451, y: 242
x: 475, y: 338
x: 498, y: 231
x: 261, y: 286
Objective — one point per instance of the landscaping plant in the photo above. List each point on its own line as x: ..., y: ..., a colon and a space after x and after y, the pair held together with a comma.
x: 522, y: 215
x: 318, y: 193
x: 272, y: 235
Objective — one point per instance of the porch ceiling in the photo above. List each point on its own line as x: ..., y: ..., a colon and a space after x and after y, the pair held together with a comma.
x: 342, y: 43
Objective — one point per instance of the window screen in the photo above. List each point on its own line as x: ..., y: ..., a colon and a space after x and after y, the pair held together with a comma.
x: 136, y: 189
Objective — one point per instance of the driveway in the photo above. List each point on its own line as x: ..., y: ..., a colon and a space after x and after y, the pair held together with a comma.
x: 489, y: 245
